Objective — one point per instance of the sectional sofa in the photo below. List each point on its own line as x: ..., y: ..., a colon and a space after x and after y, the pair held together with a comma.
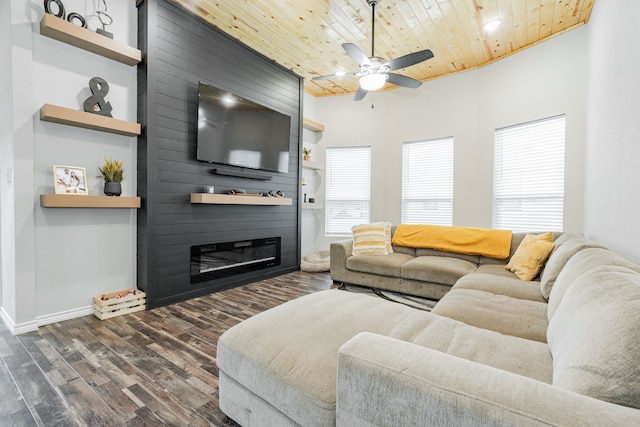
x: 563, y: 349
x: 423, y: 272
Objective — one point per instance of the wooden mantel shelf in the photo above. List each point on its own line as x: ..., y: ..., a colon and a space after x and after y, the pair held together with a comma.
x: 230, y: 199
x: 80, y: 201
x: 67, y: 32
x: 312, y: 125
x: 67, y: 116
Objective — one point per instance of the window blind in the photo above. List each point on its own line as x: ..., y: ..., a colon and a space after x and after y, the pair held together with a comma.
x: 528, y: 180
x: 427, y: 182
x: 348, y: 189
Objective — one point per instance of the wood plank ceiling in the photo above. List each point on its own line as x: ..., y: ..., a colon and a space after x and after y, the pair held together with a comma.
x: 306, y: 36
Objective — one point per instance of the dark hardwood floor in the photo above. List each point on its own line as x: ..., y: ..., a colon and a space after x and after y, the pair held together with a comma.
x: 151, y: 368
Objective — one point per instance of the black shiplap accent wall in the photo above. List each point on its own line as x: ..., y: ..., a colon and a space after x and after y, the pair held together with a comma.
x: 181, y: 50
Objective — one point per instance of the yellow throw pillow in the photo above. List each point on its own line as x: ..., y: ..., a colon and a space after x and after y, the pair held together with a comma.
x: 547, y: 237
x: 530, y: 256
x: 371, y: 239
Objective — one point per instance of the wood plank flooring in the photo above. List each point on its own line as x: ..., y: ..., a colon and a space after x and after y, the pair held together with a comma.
x: 151, y: 368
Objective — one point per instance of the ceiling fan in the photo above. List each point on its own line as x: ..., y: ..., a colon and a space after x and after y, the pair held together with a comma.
x: 374, y: 71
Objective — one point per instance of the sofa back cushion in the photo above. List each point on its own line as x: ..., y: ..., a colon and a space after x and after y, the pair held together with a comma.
x: 594, y: 336
x: 435, y: 252
x: 582, y: 262
x: 567, y: 245
x: 516, y: 239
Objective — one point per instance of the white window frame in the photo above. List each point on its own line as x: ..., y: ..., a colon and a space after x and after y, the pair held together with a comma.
x: 347, y: 189
x: 427, y: 181
x: 528, y: 175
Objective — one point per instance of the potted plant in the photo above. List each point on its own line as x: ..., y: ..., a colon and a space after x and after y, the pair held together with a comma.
x: 307, y: 153
x: 112, y: 173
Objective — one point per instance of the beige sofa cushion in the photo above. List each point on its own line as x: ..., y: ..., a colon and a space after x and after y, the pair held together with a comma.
x: 434, y: 252
x: 500, y: 313
x: 582, y: 262
x: 594, y: 336
x: 293, y: 368
x: 567, y: 245
x: 509, y: 286
x: 386, y: 265
x: 496, y: 270
x: 436, y: 269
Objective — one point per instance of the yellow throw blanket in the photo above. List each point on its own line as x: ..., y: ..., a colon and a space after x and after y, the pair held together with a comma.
x: 465, y: 240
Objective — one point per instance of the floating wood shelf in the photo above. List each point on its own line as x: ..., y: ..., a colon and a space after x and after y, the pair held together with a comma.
x: 80, y: 201
x: 230, y: 199
x: 67, y: 116
x: 309, y: 124
x: 67, y: 32
x: 312, y: 165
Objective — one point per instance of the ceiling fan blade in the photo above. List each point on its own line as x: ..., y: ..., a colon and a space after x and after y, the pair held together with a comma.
x: 410, y: 59
x: 334, y: 76
x: 355, y: 53
x: 361, y: 93
x: 403, y: 81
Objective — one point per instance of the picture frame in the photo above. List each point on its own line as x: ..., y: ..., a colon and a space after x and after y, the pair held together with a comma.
x: 70, y: 180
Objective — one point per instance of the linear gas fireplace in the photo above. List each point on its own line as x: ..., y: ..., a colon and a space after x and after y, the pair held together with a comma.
x: 219, y: 260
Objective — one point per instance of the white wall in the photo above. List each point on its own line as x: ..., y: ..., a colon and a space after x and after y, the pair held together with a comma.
x: 63, y: 257
x: 542, y: 81
x: 311, y: 219
x: 612, y: 199
x: 6, y: 151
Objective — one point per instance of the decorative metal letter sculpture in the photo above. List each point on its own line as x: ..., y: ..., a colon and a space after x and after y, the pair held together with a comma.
x: 96, y: 103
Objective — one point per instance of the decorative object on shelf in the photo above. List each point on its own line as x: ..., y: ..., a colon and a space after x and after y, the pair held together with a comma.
x: 112, y: 173
x: 96, y: 103
x: 305, y: 198
x: 303, y: 181
x: 61, y: 12
x: 306, y: 153
x: 236, y: 191
x: 77, y: 16
x: 275, y: 193
x: 105, y: 19
x: 47, y: 8
x: 70, y: 180
x: 312, y: 200
x: 209, y: 189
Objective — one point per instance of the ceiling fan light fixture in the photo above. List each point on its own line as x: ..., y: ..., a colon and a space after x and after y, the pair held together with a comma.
x: 373, y: 81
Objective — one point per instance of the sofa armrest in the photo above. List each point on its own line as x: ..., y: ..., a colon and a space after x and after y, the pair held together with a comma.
x: 339, y: 251
x: 387, y: 382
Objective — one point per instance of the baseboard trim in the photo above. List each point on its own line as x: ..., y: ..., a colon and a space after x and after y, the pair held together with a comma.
x: 64, y: 315
x: 32, y: 326
x: 17, y: 329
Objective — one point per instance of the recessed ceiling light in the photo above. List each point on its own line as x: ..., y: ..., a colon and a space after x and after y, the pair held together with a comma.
x: 340, y: 73
x: 491, y: 25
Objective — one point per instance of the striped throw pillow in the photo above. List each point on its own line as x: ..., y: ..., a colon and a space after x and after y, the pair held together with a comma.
x: 372, y: 239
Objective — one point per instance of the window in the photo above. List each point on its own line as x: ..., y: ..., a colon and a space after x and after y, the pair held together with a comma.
x: 427, y: 182
x: 348, y: 189
x: 528, y: 176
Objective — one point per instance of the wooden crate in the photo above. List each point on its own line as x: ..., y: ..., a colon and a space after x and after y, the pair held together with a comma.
x: 118, y: 303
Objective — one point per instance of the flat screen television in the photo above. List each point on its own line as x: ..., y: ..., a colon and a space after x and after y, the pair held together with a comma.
x: 238, y: 132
